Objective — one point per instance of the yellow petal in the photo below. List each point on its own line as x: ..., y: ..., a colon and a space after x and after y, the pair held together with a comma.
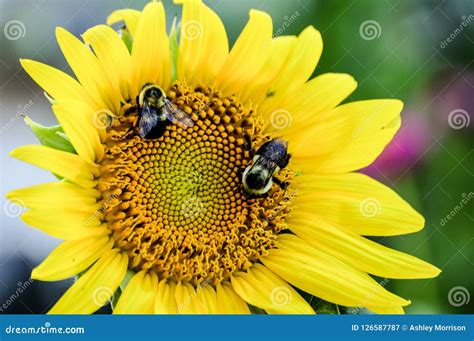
x: 262, y: 288
x: 322, y: 275
x: 71, y: 257
x: 87, y: 69
x: 61, y: 195
x: 279, y: 49
x: 228, y: 302
x: 66, y: 224
x: 113, y: 55
x: 300, y: 64
x: 129, y: 16
x: 94, y: 289
x: 203, y: 44
x: 387, y: 310
x: 301, y: 108
x: 247, y: 56
x: 165, y: 303
x: 348, y: 138
x: 76, y: 118
x: 57, y: 84
x: 150, y: 54
x: 357, y: 203
x: 187, y: 300
x: 139, y: 295
x: 359, y: 252
x: 70, y: 166
x: 208, y: 298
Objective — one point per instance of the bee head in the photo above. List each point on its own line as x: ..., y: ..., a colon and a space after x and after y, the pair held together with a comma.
x: 150, y: 91
x: 257, y: 179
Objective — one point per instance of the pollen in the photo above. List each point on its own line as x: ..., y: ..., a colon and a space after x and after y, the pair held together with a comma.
x: 176, y: 204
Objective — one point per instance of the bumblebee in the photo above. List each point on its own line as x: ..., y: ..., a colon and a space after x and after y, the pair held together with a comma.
x: 155, y: 109
x: 269, y: 159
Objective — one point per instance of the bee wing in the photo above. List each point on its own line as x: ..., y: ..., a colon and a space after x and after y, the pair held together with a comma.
x: 148, y: 119
x: 175, y: 114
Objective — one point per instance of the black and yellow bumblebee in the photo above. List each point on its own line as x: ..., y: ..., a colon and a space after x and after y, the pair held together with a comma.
x: 155, y: 110
x: 270, y: 158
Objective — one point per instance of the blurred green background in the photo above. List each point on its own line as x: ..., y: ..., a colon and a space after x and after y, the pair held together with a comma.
x: 418, y: 51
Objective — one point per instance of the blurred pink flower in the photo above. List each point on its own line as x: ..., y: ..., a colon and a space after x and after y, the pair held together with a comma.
x: 405, y: 151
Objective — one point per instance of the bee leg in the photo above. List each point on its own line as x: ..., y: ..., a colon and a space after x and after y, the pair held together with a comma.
x: 283, y: 185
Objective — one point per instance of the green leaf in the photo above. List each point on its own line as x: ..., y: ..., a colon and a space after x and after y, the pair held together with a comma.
x: 127, y: 278
x: 126, y: 37
x: 53, y: 137
x: 174, y: 48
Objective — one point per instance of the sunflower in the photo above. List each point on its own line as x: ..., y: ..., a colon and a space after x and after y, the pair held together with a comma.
x: 165, y: 222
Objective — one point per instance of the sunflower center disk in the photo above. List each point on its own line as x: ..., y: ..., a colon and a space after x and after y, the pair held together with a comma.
x: 176, y: 204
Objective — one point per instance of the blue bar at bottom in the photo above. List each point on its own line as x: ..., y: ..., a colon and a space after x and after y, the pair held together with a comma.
x: 258, y: 327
